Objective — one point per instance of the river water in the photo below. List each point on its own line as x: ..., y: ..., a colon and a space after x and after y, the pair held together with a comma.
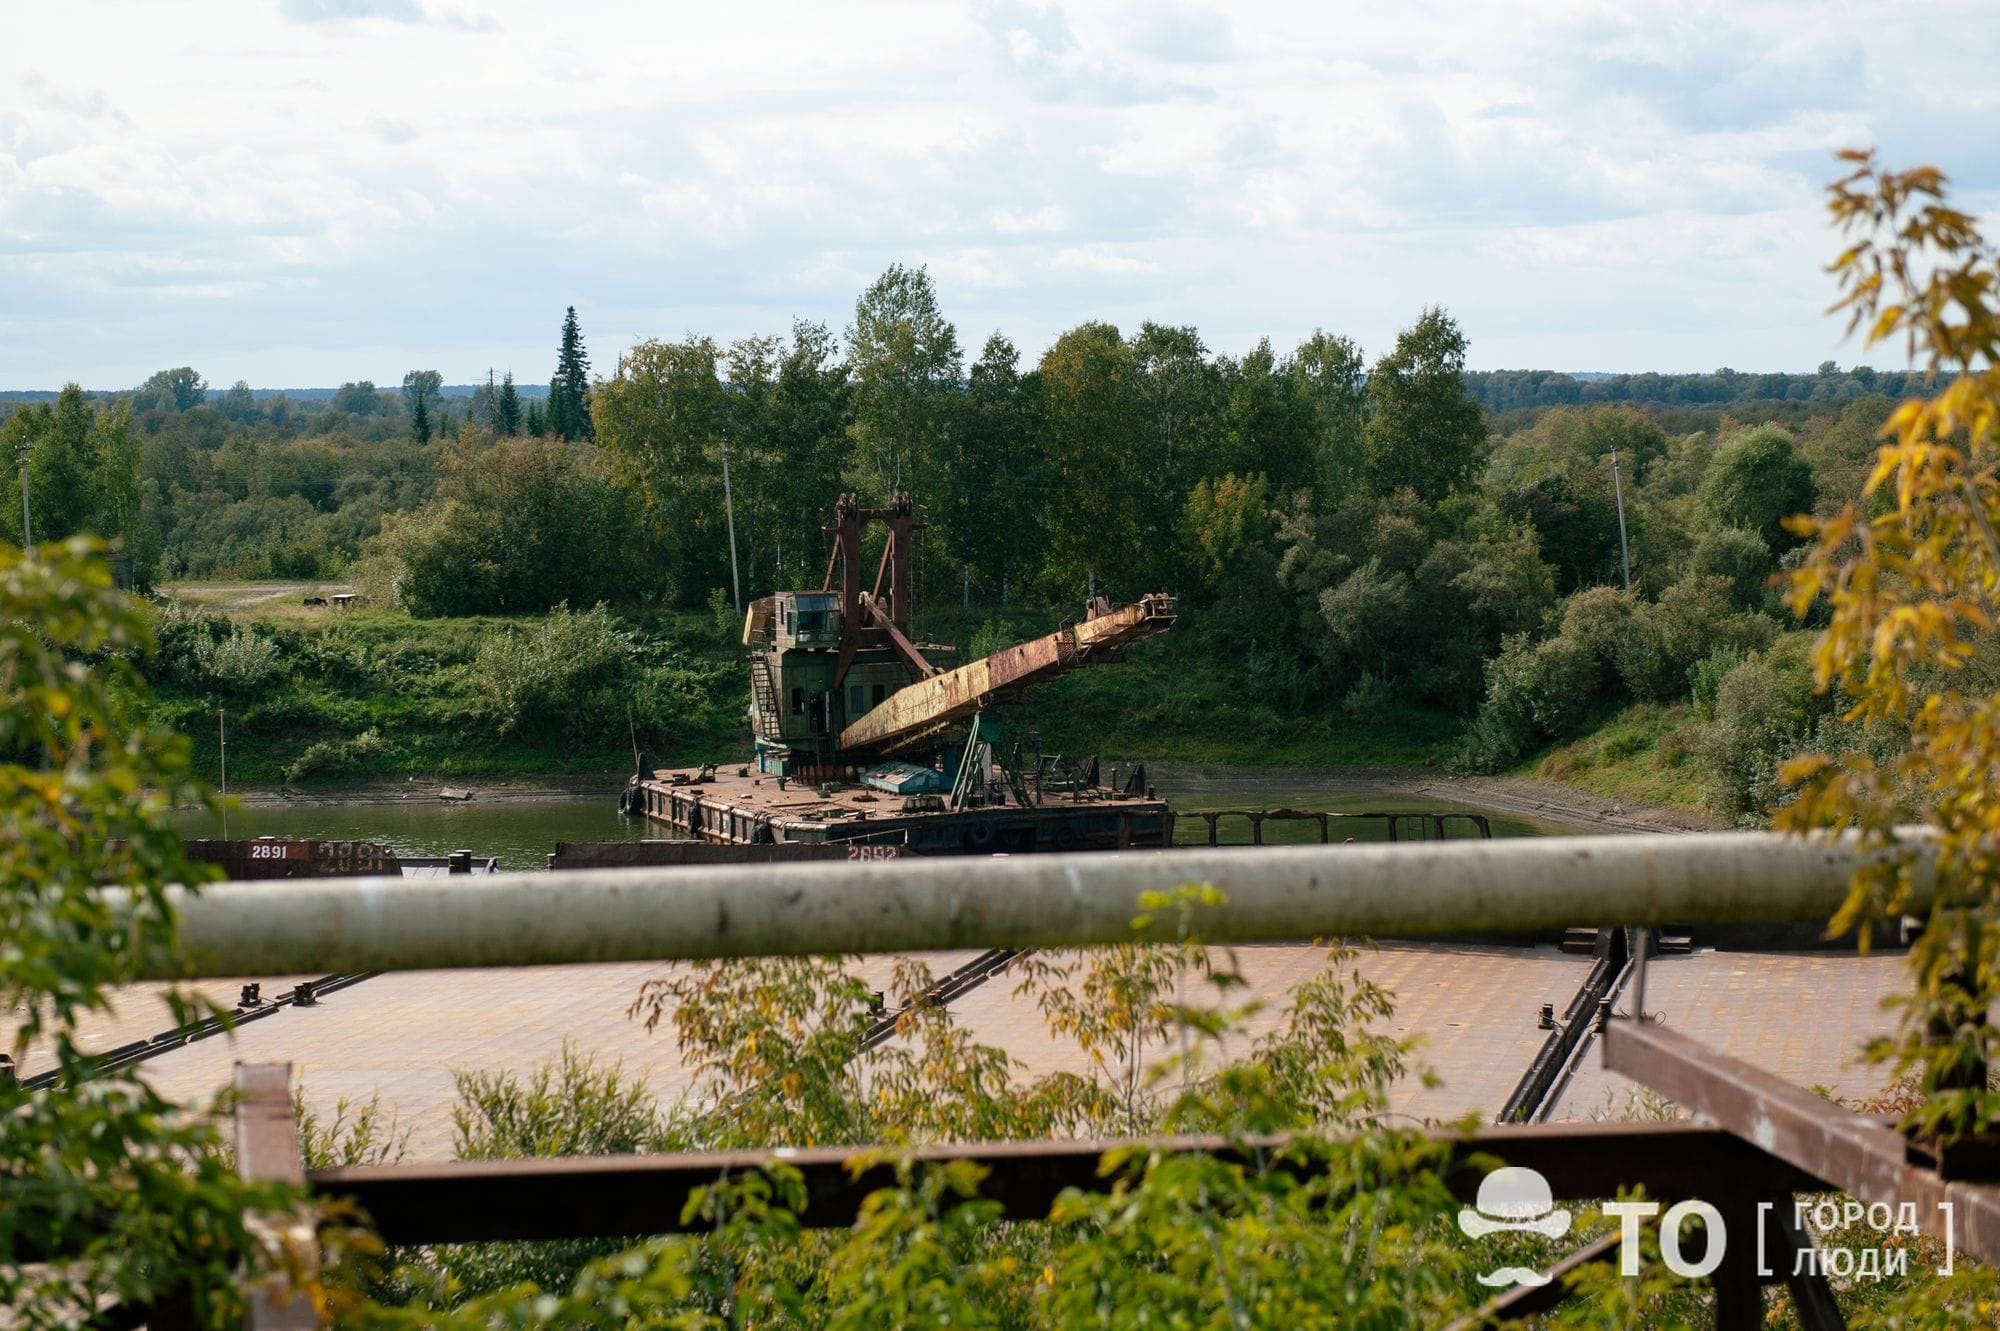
x: 522, y: 832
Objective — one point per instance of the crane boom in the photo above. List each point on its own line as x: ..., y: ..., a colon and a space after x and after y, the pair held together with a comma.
x: 918, y: 711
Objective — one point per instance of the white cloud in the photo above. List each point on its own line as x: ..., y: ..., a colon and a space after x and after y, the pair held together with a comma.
x: 330, y: 189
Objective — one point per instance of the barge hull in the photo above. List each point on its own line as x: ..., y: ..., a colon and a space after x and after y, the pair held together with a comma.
x: 752, y: 811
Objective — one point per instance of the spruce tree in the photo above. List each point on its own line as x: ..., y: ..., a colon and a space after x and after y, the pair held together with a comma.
x: 508, y: 412
x: 420, y: 422
x: 537, y: 426
x: 569, y: 391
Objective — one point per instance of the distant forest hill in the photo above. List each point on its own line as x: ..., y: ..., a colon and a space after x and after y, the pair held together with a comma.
x: 1525, y: 390
x: 540, y: 391
x: 1496, y: 390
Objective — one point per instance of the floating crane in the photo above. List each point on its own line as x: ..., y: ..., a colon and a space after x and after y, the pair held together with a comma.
x: 846, y: 704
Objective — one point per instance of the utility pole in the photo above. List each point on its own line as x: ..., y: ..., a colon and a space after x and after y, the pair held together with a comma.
x: 27, y: 532
x: 729, y: 511
x: 1618, y: 489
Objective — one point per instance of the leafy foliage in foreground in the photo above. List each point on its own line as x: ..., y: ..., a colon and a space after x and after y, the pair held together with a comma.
x: 112, y: 1195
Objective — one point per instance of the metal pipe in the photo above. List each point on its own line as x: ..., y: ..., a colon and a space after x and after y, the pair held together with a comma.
x: 1453, y: 887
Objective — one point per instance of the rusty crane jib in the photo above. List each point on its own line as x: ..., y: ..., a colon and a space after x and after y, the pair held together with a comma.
x: 838, y: 680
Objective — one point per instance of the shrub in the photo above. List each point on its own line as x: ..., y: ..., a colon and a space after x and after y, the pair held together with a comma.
x: 1534, y: 691
x: 1706, y: 676
x: 1369, y: 701
x: 1738, y: 555
x: 567, y: 673
x: 332, y: 757
x: 1662, y: 640
x: 1596, y: 617
x: 1765, y: 710
x: 728, y: 624
x: 240, y: 663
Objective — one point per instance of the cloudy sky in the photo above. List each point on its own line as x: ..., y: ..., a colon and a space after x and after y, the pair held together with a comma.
x: 301, y: 192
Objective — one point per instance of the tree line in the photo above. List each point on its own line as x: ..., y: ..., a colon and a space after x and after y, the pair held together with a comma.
x: 1355, y: 530
x: 1517, y: 390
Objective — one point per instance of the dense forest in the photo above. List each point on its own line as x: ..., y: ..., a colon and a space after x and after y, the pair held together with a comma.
x: 1350, y: 535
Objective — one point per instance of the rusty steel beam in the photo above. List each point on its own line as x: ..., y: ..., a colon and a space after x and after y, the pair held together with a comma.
x: 621, y: 1196
x: 1853, y: 1154
x: 923, y: 707
x: 267, y: 1148
x: 919, y: 667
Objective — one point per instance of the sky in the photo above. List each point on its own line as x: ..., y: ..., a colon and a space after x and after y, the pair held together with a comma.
x: 298, y: 193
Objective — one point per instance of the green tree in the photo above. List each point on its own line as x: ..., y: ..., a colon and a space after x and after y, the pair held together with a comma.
x: 1269, y: 425
x: 518, y: 526
x: 1228, y: 528
x: 569, y: 410
x: 171, y: 390
x: 239, y: 404
x: 1091, y: 430
x: 358, y: 398
x: 1424, y: 431
x: 1756, y: 482
x: 806, y: 425
x: 421, y: 391
x: 1576, y: 520
x: 120, y: 491
x: 62, y: 467
x: 1332, y: 378
x: 906, y: 366
x: 1180, y: 391
x: 421, y: 388
x: 992, y: 510
x: 507, y: 414
x: 663, y: 418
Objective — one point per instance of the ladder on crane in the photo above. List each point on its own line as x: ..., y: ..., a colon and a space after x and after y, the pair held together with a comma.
x: 764, y: 692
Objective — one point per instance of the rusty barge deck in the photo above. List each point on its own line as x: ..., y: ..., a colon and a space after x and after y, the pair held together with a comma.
x: 750, y: 810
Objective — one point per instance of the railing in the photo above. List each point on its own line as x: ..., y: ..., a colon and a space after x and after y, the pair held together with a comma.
x: 1394, y: 826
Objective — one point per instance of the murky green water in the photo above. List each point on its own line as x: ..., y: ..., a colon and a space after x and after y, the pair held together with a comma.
x: 521, y: 833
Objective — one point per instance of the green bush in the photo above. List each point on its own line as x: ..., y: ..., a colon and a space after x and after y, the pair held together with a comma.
x: 1534, y: 692
x: 565, y: 674
x: 240, y: 663
x: 1706, y: 676
x: 1738, y: 555
x: 728, y: 624
x: 337, y: 757
x: 1662, y: 640
x: 1765, y: 710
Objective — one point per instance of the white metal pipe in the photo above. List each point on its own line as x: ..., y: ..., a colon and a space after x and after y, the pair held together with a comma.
x: 1274, y: 893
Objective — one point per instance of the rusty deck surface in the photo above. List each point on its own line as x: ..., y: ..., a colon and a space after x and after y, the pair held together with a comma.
x: 405, y: 1034
x: 1472, y: 1008
x: 1802, y: 1016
